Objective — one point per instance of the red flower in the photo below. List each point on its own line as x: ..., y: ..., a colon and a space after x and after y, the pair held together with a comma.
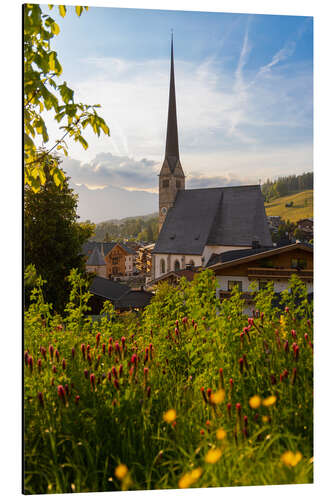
x: 229, y: 409
x: 51, y: 350
x: 98, y: 338
x: 286, y: 309
x: 103, y: 348
x: 43, y: 351
x: 250, y: 321
x: 116, y: 384
x: 114, y: 372
x: 148, y: 392
x: 77, y: 399
x: 221, y: 376
x: 110, y: 349
x: 293, y: 333
x: 209, y: 393
x: 57, y: 355
x: 117, y: 347
x: 61, y: 392
x: 88, y: 348
x: 89, y: 358
x: 63, y: 364
x: 241, y: 364
x: 54, y: 369
x: 123, y: 340
x: 73, y: 352
x: 231, y: 382
x: 92, y: 380
x: 120, y: 370
x: 176, y: 331
x: 286, y: 346
x: 86, y: 373
x: 39, y: 364
x: 306, y: 336
x: 83, y: 350
x: 238, y: 408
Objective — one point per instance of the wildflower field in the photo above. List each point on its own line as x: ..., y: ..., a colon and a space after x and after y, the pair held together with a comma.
x: 190, y: 393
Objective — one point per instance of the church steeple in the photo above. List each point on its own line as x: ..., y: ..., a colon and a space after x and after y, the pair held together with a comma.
x: 172, y: 148
x: 171, y: 178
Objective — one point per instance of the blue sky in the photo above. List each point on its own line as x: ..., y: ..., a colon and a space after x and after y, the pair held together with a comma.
x: 243, y: 89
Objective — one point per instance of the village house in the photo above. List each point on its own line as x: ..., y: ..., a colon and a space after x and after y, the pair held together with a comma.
x: 118, y: 258
x: 196, y: 223
x: 262, y: 265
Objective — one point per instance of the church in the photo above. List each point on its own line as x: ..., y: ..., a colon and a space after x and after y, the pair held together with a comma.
x: 197, y: 224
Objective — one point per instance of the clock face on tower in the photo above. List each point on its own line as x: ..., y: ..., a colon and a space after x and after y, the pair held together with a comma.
x: 164, y: 210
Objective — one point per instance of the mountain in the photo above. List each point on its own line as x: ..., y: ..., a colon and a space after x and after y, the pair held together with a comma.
x: 113, y: 203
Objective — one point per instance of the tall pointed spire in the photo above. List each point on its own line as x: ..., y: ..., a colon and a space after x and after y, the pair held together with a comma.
x: 172, y: 148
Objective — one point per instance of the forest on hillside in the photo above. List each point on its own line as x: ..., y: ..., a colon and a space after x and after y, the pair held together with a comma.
x: 144, y: 228
x: 283, y: 186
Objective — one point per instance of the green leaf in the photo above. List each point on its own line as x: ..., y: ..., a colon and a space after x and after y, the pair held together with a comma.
x: 55, y: 28
x: 78, y: 10
x: 82, y: 141
x: 62, y: 10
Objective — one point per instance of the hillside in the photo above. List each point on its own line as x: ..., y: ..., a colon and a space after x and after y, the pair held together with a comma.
x: 302, y: 208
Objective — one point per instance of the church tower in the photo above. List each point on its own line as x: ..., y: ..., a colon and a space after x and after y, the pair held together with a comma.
x: 171, y: 177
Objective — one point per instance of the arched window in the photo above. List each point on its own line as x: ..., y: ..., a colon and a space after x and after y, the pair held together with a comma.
x: 162, y: 266
x: 191, y: 263
x: 177, y: 265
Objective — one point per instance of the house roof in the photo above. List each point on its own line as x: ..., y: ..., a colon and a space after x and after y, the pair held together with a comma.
x: 134, y: 298
x: 232, y: 216
x: 239, y: 256
x: 186, y: 273
x: 95, y: 258
x: 108, y: 289
x: 104, y: 247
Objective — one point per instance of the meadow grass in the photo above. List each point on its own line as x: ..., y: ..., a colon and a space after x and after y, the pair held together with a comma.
x: 165, y: 399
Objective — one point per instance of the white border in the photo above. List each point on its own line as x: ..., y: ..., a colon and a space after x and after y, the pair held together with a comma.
x: 11, y: 242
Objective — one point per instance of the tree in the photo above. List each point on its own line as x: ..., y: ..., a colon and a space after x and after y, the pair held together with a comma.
x: 43, y: 91
x: 53, y: 236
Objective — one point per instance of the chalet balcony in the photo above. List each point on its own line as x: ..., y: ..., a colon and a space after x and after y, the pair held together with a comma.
x: 274, y: 272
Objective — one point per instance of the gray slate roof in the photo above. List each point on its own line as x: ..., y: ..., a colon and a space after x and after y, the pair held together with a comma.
x: 232, y: 216
x: 108, y: 289
x: 134, y: 298
x: 95, y: 258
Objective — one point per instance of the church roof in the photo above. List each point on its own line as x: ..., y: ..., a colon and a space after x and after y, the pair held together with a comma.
x: 95, y: 258
x: 231, y: 216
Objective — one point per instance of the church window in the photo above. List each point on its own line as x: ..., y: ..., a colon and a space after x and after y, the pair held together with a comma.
x: 165, y: 183
x: 162, y: 266
x: 177, y: 265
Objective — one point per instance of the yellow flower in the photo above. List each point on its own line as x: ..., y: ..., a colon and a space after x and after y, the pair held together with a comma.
x: 170, y: 416
x: 255, y: 401
x: 269, y: 401
x: 291, y: 459
x: 220, y: 433
x: 121, y: 471
x: 190, y: 478
x: 265, y: 419
x: 212, y: 456
x: 217, y: 397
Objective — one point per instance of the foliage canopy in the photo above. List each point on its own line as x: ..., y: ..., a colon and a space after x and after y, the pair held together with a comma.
x: 43, y: 92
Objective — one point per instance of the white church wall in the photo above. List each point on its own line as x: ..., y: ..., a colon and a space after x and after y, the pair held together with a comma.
x: 170, y: 260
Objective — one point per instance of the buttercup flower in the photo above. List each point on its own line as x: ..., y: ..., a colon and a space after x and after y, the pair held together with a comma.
x: 269, y: 401
x: 212, y: 456
x: 170, y: 416
x: 221, y: 433
x: 255, y: 401
x: 121, y: 471
x: 217, y: 397
x: 189, y: 478
x: 291, y: 459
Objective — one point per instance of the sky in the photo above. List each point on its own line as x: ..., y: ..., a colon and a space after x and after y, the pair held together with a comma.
x: 244, y: 100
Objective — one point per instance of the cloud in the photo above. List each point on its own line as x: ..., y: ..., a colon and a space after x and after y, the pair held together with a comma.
x: 107, y: 169
x: 286, y: 51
